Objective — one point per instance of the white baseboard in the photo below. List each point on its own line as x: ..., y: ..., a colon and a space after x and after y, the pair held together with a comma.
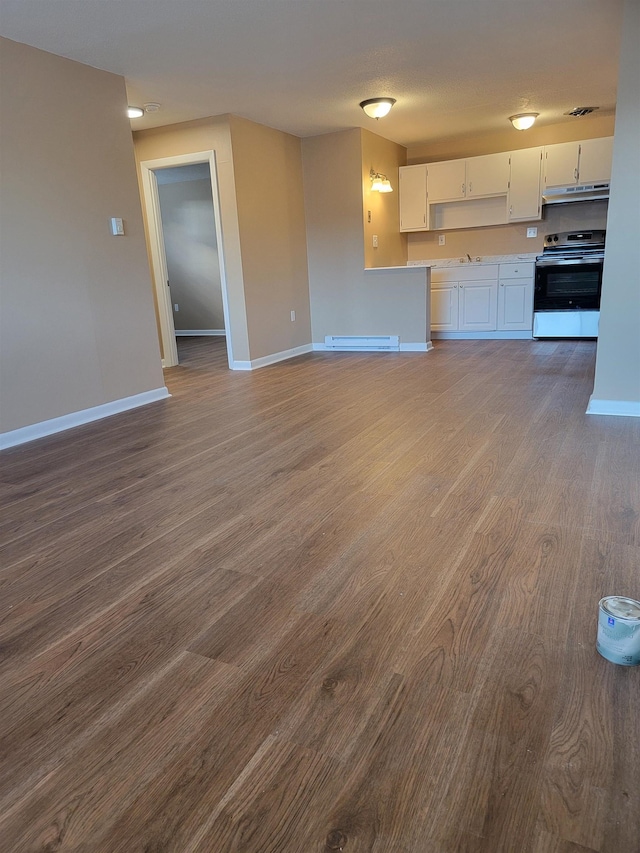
x: 482, y: 336
x: 197, y: 333
x: 86, y: 416
x: 418, y: 346
x: 271, y: 359
x: 623, y: 408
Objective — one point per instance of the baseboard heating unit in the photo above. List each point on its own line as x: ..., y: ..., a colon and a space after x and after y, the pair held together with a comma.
x: 362, y: 342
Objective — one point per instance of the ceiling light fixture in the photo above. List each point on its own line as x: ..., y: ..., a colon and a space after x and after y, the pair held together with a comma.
x: 151, y: 107
x: 380, y: 183
x: 377, y: 107
x: 523, y: 121
x: 135, y: 112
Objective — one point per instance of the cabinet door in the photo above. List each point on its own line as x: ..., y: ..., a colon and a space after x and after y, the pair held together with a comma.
x: 524, y: 185
x: 478, y: 306
x: 446, y: 181
x: 595, y: 161
x: 444, y: 307
x: 561, y: 164
x: 487, y: 175
x: 515, y: 304
x: 413, y: 197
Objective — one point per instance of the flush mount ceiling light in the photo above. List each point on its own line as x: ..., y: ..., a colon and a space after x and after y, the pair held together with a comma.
x: 523, y: 121
x: 135, y: 112
x: 151, y: 107
x: 377, y: 107
x: 380, y: 183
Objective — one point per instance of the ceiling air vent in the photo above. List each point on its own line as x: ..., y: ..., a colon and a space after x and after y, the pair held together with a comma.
x: 581, y: 111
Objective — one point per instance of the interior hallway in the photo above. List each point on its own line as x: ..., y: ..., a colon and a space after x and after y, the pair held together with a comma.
x: 345, y: 602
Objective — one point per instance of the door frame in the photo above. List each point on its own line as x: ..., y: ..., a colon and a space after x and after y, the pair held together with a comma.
x: 151, y: 200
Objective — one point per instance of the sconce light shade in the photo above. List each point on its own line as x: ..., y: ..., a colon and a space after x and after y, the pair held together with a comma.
x: 377, y: 107
x: 135, y: 112
x: 380, y: 183
x: 523, y: 121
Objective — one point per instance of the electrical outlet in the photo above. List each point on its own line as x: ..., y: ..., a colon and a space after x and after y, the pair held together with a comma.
x: 532, y: 232
x: 442, y: 239
x: 293, y: 316
x: 375, y: 241
x: 176, y: 307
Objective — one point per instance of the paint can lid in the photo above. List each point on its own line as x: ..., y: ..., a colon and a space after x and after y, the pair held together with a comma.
x: 621, y: 607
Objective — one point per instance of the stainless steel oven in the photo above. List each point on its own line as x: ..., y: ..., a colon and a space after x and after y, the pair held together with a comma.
x: 568, y: 285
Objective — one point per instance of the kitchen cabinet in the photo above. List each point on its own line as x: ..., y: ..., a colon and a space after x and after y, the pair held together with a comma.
x: 444, y: 306
x: 515, y: 297
x: 446, y: 181
x: 594, y: 164
x: 464, y: 298
x: 524, y: 201
x: 478, y: 304
x: 413, y: 197
x: 487, y: 175
x: 572, y: 163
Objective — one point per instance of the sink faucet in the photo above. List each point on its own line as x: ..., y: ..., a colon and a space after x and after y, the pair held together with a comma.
x: 469, y: 257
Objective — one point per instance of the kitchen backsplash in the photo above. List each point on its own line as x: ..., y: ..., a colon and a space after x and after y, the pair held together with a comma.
x: 508, y: 239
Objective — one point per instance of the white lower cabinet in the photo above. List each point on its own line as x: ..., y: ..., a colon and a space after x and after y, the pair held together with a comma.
x: 444, y: 307
x: 482, y: 298
x: 477, y: 310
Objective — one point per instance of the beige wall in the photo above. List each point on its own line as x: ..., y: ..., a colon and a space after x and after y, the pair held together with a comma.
x: 77, y: 317
x: 618, y: 360
x: 271, y: 218
x: 211, y: 134
x: 588, y: 127
x: 385, y: 157
x: 346, y: 300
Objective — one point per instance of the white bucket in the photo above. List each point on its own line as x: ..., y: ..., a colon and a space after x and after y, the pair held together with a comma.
x: 619, y: 630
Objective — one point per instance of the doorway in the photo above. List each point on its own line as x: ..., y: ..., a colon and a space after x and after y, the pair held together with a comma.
x: 183, y: 214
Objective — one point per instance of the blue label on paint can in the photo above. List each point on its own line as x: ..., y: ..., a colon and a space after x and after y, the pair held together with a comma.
x: 611, y: 620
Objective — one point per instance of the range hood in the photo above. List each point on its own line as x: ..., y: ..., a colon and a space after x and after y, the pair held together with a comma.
x: 587, y: 192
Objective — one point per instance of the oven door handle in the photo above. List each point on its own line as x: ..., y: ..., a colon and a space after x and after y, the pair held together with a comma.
x: 556, y: 262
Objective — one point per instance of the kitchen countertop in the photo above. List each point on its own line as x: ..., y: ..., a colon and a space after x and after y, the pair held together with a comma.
x: 528, y: 257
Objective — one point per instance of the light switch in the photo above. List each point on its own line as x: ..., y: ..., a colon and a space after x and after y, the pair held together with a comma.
x: 117, y: 226
x: 442, y: 239
x: 375, y: 241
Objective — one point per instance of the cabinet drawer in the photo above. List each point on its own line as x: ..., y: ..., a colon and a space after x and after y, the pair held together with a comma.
x: 465, y: 272
x: 521, y: 270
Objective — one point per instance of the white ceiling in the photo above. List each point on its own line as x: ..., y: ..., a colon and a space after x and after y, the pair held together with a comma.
x: 454, y: 66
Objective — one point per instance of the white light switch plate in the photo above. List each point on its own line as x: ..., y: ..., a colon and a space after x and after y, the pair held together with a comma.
x: 442, y: 239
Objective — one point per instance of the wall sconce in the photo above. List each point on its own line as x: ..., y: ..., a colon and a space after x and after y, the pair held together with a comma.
x: 523, y: 121
x: 380, y: 183
x: 377, y: 107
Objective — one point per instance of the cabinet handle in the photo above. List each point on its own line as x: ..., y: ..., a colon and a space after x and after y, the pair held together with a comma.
x: 575, y: 173
x: 463, y: 189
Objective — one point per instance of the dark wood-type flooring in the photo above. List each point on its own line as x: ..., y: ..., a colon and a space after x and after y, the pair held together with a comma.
x: 347, y: 602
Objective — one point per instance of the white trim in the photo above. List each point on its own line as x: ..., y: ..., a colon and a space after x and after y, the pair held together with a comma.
x: 623, y: 408
x: 158, y: 259
x: 194, y: 333
x: 85, y: 416
x: 482, y: 336
x: 275, y: 357
x: 418, y: 346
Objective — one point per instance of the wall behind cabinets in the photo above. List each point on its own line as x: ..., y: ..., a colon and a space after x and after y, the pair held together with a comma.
x: 508, y: 239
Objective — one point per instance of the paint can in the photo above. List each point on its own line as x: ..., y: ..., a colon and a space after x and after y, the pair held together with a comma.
x: 619, y: 630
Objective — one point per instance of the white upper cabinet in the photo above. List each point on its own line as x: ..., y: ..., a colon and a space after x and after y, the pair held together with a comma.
x: 594, y: 164
x: 524, y: 201
x: 561, y: 164
x: 570, y: 163
x: 413, y: 197
x: 446, y: 181
x: 487, y: 175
